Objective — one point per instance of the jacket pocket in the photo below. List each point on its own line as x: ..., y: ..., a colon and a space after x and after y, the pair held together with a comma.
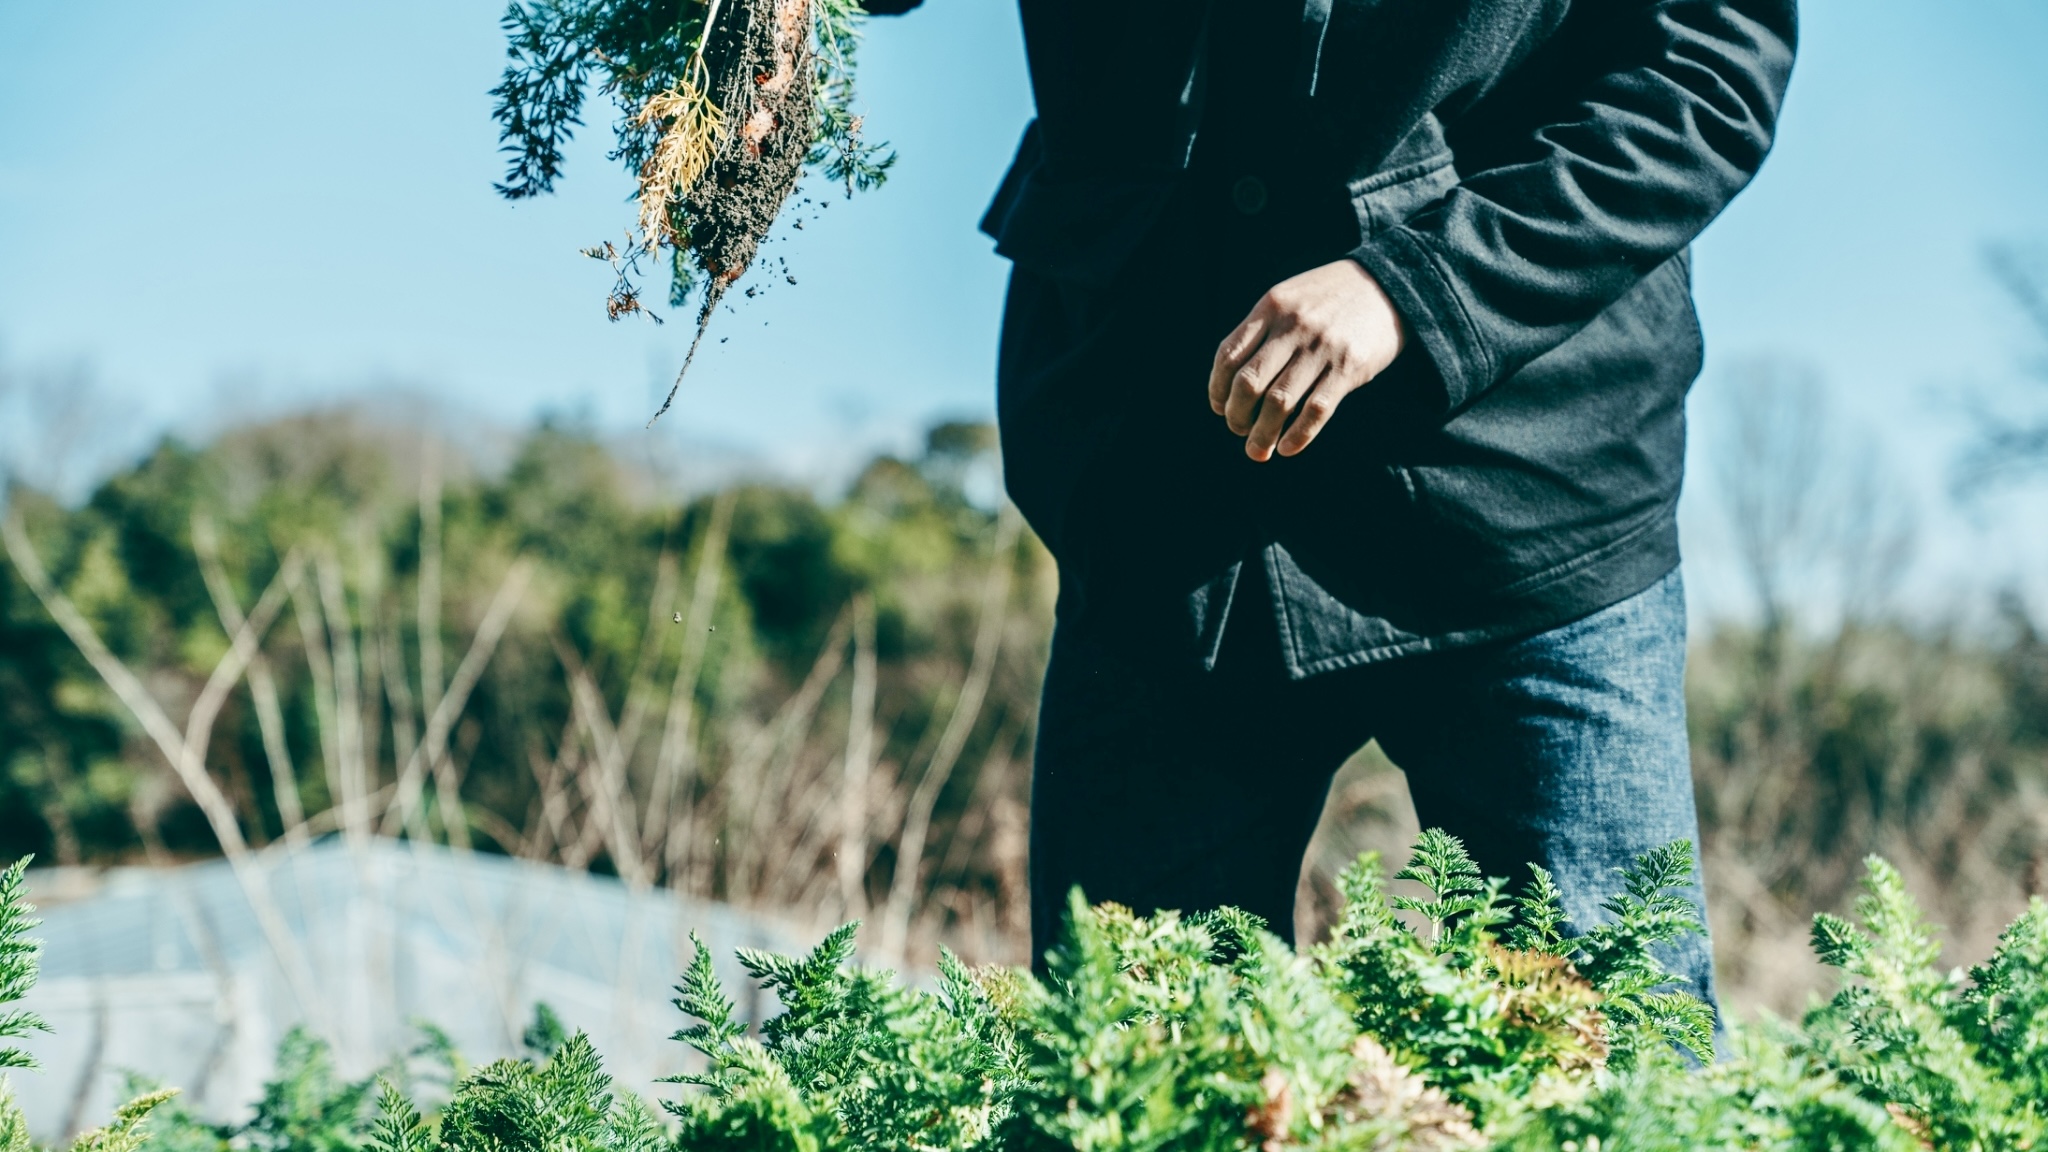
x: 1390, y: 197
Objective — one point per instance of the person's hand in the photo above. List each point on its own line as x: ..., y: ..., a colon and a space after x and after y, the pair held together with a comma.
x: 1308, y: 343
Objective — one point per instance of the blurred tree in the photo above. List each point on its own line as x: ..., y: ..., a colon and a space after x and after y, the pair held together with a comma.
x: 2012, y: 440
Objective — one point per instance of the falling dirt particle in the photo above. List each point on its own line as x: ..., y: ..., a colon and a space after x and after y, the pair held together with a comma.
x: 763, y: 62
x: 789, y: 278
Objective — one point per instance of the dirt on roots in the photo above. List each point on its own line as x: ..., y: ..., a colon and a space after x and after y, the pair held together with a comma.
x: 763, y: 77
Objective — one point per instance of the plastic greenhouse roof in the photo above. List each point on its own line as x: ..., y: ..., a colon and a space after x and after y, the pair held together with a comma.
x: 170, y: 974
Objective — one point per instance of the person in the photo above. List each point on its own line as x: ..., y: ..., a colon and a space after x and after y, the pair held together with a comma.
x: 1343, y: 371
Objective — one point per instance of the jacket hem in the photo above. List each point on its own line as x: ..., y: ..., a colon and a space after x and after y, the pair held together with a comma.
x: 1550, y: 599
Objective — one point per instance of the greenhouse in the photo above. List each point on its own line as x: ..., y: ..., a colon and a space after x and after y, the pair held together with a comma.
x: 171, y: 975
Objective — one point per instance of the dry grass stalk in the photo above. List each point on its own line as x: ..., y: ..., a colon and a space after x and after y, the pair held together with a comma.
x: 428, y: 623
x: 674, y: 760
x: 404, y: 719
x: 860, y: 755
x: 653, y: 639
x: 759, y: 769
x: 348, y: 706
x: 610, y: 795
x: 320, y: 668
x: 481, y: 646
x: 959, y: 726
x: 186, y: 750
x: 284, y: 781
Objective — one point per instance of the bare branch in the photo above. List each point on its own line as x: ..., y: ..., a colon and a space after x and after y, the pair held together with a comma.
x: 430, y: 574
x: 186, y: 751
x: 613, y: 807
x: 673, y: 760
x: 435, y: 744
x: 284, y: 779
x: 859, y: 762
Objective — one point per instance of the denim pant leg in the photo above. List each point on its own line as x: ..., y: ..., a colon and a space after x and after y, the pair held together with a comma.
x: 1566, y: 749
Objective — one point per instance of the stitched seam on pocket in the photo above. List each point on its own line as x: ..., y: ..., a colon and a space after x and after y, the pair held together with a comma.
x: 1381, y: 181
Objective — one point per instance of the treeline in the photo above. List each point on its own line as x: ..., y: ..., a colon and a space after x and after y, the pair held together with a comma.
x: 749, y: 694
x: 826, y: 705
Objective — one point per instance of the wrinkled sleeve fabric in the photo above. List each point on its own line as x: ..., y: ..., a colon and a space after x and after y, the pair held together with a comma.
x: 1673, y: 117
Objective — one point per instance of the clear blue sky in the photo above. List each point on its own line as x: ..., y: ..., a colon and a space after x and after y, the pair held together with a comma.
x: 225, y: 207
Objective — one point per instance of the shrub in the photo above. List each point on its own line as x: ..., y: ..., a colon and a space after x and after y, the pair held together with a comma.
x: 1463, y: 1018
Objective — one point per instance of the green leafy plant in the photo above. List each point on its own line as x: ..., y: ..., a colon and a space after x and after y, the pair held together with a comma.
x: 853, y: 1060
x: 18, y: 954
x: 1480, y: 1024
x: 125, y: 1134
x: 722, y: 106
x: 308, y: 1107
x: 18, y: 971
x: 1490, y: 1002
x: 1959, y: 1065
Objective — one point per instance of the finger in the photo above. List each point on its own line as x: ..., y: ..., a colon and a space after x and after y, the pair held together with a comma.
x: 1248, y: 384
x: 1231, y: 354
x: 1281, y: 400
x: 1315, y: 412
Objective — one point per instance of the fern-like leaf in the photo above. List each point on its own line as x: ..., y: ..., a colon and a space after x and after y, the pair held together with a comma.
x: 702, y: 996
x: 632, y: 1128
x: 399, y: 1127
x: 125, y: 1133
x: 1441, y: 864
x: 13, y: 1125
x: 1539, y: 915
x: 19, y: 953
x: 1651, y: 909
x: 546, y: 1035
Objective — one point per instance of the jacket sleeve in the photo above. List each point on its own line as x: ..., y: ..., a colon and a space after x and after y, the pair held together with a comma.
x: 1666, y: 119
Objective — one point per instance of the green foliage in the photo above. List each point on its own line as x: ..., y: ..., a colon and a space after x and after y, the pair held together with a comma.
x: 346, y: 486
x: 13, y: 1125
x: 546, y: 1035
x: 125, y: 1133
x: 308, y: 1108
x: 1765, y: 1098
x: 562, y: 1105
x: 1902, y: 1032
x: 2004, y: 1013
x: 18, y: 952
x: 1484, y: 1026
x: 1206, y: 1033
x: 173, y: 1127
x: 399, y: 1126
x: 1616, y: 958
x: 840, y: 153
x: 17, y: 975
x: 852, y: 1061
x: 650, y: 56
x: 1195, y: 1033
x: 1486, y: 1004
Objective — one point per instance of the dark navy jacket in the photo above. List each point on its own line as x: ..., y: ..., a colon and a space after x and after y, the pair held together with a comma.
x: 1522, y: 176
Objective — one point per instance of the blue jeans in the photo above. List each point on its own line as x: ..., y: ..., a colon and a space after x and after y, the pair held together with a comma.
x: 1157, y: 785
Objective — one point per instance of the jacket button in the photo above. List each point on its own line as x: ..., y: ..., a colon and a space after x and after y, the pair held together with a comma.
x: 1248, y: 195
